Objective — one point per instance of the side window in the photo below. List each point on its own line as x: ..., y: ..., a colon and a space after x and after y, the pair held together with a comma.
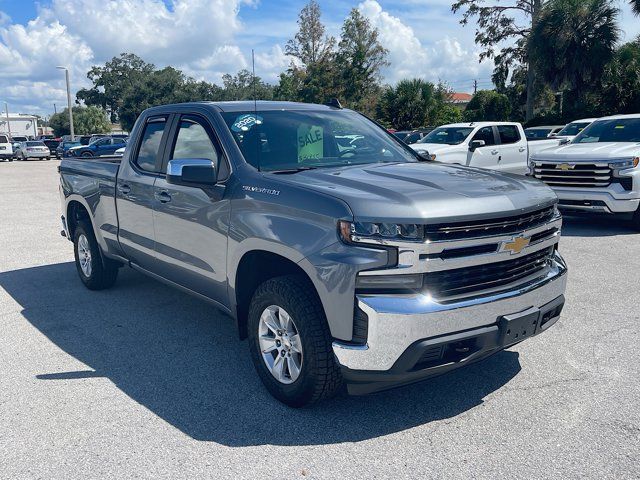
x: 486, y: 134
x: 150, y: 145
x: 193, y: 141
x: 508, y: 134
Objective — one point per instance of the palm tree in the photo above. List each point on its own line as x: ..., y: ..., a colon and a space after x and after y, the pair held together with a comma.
x: 635, y: 6
x: 573, y: 41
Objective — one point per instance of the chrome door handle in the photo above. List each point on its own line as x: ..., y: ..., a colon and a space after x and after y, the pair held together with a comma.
x: 163, y: 196
x: 494, y: 152
x: 124, y: 188
x: 521, y: 149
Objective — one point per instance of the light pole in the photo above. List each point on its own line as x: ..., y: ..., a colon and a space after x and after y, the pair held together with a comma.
x: 66, y: 75
x: 6, y: 110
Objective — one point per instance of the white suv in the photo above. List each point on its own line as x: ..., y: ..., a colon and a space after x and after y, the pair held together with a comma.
x: 6, y: 149
x: 495, y: 145
x: 598, y: 170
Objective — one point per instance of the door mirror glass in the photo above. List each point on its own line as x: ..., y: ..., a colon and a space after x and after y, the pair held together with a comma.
x: 192, y: 172
x: 476, y: 144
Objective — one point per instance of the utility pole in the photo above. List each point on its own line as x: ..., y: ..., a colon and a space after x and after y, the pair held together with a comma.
x: 55, y: 110
x: 475, y: 87
x: 66, y: 75
x: 6, y: 110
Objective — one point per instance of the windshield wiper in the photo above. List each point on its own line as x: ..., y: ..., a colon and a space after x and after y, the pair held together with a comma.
x: 292, y: 170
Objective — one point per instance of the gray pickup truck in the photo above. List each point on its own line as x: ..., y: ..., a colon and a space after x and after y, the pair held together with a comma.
x: 342, y: 255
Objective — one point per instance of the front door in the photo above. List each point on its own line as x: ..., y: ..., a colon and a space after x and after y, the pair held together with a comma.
x: 488, y: 155
x: 512, y: 149
x: 191, y: 223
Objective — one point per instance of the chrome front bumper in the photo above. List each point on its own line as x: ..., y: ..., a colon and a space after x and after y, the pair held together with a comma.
x: 395, y: 322
x: 613, y: 199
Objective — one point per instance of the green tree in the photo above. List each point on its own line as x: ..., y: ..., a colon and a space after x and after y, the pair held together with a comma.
x: 635, y: 6
x: 445, y: 113
x: 241, y: 87
x: 413, y: 103
x: 312, y: 76
x: 86, y: 120
x: 503, y: 30
x: 573, y: 41
x: 621, y: 81
x: 360, y: 59
x: 488, y: 105
x: 113, y: 80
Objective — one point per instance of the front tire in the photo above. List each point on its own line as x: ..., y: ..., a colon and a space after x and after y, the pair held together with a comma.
x: 86, y: 154
x: 290, y: 342
x: 635, y: 221
x: 95, y: 271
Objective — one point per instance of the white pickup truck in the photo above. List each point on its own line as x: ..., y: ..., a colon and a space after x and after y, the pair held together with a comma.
x: 563, y: 137
x: 598, y: 170
x: 494, y: 145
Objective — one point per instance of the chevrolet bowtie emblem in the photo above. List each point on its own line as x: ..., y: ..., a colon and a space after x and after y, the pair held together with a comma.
x: 565, y: 166
x: 516, y: 245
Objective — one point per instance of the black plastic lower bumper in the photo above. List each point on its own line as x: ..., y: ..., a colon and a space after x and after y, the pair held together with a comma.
x: 435, y: 356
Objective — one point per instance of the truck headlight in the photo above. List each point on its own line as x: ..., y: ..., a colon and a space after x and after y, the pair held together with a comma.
x: 630, y: 163
x: 355, y: 232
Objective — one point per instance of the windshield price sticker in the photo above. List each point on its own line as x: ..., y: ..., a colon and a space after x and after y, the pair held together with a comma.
x: 310, y: 142
x: 245, y: 122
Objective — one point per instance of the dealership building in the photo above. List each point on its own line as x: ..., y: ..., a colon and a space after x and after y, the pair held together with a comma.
x: 19, y: 124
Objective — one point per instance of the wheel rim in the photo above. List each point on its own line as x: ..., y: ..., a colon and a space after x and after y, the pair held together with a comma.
x: 280, y: 344
x: 84, y: 255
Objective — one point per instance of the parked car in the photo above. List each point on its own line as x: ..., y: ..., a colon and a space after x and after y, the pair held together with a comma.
x: 366, y: 266
x: 412, y: 136
x: 498, y: 146
x: 119, y: 152
x: 32, y: 149
x: 598, y: 170
x: 568, y: 133
x: 6, y: 149
x: 16, y: 140
x: 66, y: 145
x: 96, y: 136
x: 52, y: 145
x: 99, y: 147
x: 542, y: 132
x: 45, y: 137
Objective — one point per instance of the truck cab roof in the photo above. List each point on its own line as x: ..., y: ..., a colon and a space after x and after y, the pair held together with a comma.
x: 249, y: 105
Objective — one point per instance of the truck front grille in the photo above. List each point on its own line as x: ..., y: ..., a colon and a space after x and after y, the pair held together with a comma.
x: 468, y: 280
x: 587, y: 175
x: 486, y: 228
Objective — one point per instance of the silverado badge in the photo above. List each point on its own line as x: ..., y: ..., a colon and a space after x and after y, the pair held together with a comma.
x: 565, y: 166
x: 516, y: 245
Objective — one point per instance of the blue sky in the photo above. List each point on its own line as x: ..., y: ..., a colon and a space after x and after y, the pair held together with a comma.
x: 207, y: 38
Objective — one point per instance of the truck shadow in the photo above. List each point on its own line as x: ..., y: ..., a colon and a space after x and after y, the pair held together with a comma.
x: 593, y: 225
x: 180, y: 358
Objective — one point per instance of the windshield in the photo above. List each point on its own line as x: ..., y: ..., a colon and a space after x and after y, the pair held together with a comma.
x: 292, y: 140
x: 537, y: 133
x: 447, y: 135
x: 615, y: 130
x: 573, y: 129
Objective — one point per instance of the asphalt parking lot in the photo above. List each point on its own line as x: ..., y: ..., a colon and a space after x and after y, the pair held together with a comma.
x: 144, y: 381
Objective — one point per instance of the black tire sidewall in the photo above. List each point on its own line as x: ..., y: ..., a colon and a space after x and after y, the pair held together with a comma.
x: 300, y: 392
x: 103, y: 274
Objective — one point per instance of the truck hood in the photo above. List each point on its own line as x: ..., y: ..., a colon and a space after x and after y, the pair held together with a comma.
x: 435, y: 148
x: 589, y: 152
x: 425, y: 192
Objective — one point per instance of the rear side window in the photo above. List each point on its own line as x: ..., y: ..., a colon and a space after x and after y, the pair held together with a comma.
x: 3, y: 139
x: 150, y: 145
x: 486, y: 134
x: 508, y: 134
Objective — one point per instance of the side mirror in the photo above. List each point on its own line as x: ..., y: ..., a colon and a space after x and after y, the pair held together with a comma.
x: 476, y: 144
x: 564, y: 141
x: 192, y: 172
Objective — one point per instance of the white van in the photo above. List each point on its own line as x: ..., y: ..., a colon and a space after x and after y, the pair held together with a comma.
x: 6, y: 149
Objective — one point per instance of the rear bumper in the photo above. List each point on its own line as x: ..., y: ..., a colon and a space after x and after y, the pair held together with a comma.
x: 6, y: 155
x: 411, y: 337
x: 37, y: 154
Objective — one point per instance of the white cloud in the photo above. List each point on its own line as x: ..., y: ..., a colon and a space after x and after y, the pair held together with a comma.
x: 444, y: 59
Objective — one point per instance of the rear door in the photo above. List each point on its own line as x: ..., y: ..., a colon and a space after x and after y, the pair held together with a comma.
x: 512, y: 150
x: 191, y: 223
x: 135, y: 192
x: 486, y: 156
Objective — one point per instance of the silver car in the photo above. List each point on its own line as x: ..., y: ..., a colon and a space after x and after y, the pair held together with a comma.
x: 32, y: 149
